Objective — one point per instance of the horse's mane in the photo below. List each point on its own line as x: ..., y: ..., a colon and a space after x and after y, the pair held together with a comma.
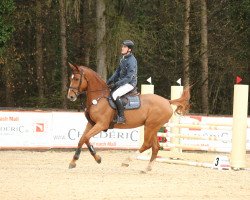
x: 94, y: 75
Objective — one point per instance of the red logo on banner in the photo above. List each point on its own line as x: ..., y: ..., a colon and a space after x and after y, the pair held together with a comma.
x: 39, y: 127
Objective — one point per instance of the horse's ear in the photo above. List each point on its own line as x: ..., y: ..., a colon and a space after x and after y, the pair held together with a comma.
x: 73, y: 67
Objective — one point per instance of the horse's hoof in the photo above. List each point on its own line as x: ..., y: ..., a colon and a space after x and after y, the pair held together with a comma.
x: 125, y: 165
x: 98, y: 159
x: 149, y: 169
x: 143, y: 172
x: 72, y: 165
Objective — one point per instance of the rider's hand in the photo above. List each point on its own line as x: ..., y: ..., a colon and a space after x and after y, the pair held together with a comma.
x: 111, y: 86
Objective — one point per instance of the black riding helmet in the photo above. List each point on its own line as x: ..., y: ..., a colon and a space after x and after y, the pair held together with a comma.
x: 130, y: 44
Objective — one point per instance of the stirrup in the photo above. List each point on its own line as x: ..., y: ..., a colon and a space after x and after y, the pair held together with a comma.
x: 119, y: 120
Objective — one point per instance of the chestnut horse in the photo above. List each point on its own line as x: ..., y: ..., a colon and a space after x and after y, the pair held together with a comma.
x: 153, y: 113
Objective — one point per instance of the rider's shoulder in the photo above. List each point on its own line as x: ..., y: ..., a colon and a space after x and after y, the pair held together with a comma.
x: 131, y: 57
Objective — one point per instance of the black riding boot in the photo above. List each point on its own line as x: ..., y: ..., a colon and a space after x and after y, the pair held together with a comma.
x: 120, y: 111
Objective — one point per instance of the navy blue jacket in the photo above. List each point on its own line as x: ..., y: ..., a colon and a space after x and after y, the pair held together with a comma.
x: 126, y: 72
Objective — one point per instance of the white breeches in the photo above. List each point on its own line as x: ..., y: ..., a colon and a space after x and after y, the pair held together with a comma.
x: 124, y: 89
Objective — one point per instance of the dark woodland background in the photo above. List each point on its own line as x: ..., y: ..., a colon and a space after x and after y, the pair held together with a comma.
x: 204, y: 42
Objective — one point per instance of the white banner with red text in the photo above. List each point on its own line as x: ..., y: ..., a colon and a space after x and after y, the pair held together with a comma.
x: 58, y: 130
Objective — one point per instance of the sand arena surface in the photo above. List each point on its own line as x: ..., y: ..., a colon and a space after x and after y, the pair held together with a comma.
x: 28, y: 175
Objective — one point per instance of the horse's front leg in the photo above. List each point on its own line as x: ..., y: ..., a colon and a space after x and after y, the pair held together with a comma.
x: 88, y: 133
x: 79, y: 147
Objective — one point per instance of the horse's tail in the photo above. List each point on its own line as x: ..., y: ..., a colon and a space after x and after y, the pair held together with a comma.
x: 183, y: 102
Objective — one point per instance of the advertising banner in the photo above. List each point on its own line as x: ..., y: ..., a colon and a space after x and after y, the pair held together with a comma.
x: 68, y: 129
x: 64, y: 130
x: 25, y: 129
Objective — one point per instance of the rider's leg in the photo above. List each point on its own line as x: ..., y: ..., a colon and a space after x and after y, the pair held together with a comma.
x: 124, y: 89
x: 120, y: 111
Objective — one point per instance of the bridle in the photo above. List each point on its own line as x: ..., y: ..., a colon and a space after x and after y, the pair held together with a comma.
x: 77, y: 93
x: 82, y: 94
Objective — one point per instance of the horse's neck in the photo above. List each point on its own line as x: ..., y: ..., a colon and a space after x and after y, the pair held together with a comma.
x: 95, y: 82
x: 97, y: 87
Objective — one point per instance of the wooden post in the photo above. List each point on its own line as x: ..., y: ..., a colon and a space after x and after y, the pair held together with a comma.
x: 240, y: 108
x: 145, y: 89
x: 176, y: 92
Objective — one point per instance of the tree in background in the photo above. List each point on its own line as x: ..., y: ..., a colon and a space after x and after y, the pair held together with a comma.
x: 204, y: 58
x: 39, y: 51
x: 7, y: 8
x: 162, y: 49
x: 100, y: 39
x: 64, y: 74
x: 186, y: 43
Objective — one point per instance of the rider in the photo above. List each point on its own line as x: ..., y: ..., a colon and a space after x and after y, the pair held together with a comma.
x: 124, y: 78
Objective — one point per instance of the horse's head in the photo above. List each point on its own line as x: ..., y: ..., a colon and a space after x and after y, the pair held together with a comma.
x: 78, y: 83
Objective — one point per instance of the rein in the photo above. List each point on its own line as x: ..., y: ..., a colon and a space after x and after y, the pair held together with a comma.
x: 99, y: 90
x: 76, y: 90
x: 80, y: 82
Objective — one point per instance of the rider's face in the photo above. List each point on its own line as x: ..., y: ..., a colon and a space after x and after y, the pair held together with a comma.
x: 125, y: 50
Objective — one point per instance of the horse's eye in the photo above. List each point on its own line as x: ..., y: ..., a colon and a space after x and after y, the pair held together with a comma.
x: 77, y: 79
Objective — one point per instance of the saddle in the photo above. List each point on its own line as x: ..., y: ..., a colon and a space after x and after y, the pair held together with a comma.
x: 130, y: 101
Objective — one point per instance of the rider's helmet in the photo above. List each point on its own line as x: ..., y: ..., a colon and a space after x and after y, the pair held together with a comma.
x: 130, y: 44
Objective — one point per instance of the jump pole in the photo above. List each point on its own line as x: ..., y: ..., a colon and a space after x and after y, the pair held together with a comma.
x: 240, y: 108
x: 195, y: 137
x: 176, y: 92
x: 145, y: 89
x: 180, y: 162
x: 239, y: 129
x: 238, y: 153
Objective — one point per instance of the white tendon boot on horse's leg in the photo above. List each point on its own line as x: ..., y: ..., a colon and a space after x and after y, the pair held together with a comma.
x: 150, y: 166
x: 155, y: 149
x: 129, y: 159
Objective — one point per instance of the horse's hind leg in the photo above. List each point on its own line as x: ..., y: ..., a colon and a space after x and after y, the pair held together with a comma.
x: 147, y: 144
x: 155, y: 149
x: 150, y: 140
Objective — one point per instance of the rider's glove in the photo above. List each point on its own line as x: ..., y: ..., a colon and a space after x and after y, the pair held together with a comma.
x: 111, y: 86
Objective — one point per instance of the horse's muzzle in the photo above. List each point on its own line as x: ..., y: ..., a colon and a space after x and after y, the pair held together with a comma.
x: 72, y: 97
